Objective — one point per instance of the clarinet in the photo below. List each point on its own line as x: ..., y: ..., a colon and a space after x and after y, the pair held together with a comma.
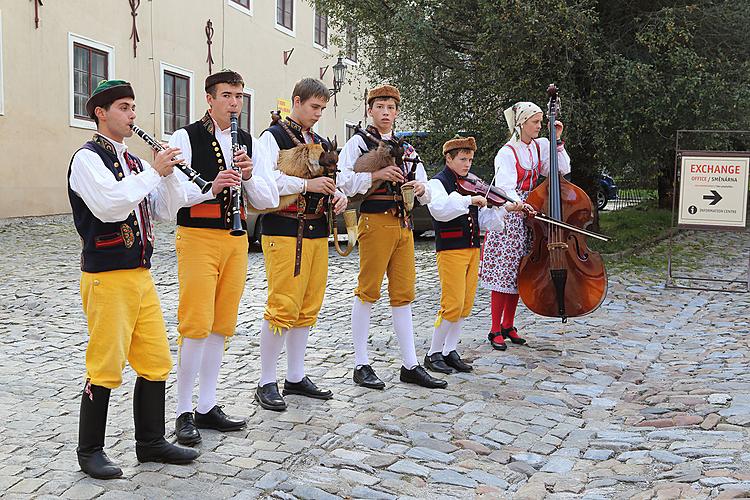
x: 236, y: 201
x: 205, y: 186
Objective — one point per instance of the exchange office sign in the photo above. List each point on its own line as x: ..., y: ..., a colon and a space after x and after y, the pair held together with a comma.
x: 713, y: 189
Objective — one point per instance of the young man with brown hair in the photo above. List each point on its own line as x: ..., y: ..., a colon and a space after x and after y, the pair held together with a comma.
x: 296, y: 234
x: 114, y: 195
x: 386, y: 241
x: 212, y: 264
x: 458, y: 221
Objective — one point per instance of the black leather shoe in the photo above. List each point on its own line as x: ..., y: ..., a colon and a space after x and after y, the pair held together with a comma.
x: 268, y: 397
x: 305, y: 387
x: 496, y: 341
x: 454, y: 360
x: 216, y: 419
x: 365, y: 376
x: 512, y: 334
x: 185, y: 430
x: 435, y: 363
x: 419, y: 376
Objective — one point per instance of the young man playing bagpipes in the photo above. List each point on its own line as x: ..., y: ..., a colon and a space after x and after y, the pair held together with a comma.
x: 459, y: 218
x: 295, y: 242
x: 114, y: 195
x: 375, y: 164
x: 211, y: 261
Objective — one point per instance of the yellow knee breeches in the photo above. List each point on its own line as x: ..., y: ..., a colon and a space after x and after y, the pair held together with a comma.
x: 211, y: 268
x: 385, y: 248
x: 294, y: 301
x: 459, y: 273
x: 125, y: 324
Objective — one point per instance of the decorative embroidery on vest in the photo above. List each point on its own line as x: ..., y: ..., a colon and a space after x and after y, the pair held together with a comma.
x: 105, y: 144
x: 208, y: 123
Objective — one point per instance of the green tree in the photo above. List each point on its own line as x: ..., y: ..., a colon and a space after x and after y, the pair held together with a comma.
x: 630, y: 73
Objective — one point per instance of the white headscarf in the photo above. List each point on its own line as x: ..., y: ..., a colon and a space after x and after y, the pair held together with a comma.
x: 516, y: 115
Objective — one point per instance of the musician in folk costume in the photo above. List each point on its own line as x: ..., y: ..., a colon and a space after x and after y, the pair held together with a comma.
x: 458, y: 219
x: 374, y: 163
x: 114, y: 195
x: 518, y: 165
x: 295, y: 242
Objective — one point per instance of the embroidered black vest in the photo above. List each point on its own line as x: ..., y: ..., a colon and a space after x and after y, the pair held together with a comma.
x: 109, y: 246
x: 273, y: 224
x: 208, y: 160
x: 369, y: 206
x: 461, y: 232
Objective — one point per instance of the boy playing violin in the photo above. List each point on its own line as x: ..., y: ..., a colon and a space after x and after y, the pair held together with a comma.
x: 458, y: 220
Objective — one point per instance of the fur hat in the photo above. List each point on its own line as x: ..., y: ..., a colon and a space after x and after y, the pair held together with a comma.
x: 459, y: 142
x: 107, y: 92
x: 384, y: 91
x: 224, y: 76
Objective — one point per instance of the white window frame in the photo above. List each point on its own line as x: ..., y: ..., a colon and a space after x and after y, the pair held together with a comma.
x: 325, y: 50
x: 251, y: 111
x: 282, y: 28
x: 2, y: 93
x: 82, y: 40
x: 163, y: 66
x: 347, y: 123
x: 242, y: 9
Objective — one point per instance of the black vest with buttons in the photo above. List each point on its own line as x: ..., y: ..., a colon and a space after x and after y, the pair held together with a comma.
x: 369, y: 206
x: 461, y: 232
x: 108, y: 246
x: 278, y: 225
x: 207, y: 160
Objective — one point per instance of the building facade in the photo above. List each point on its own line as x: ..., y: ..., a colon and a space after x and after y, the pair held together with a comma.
x: 53, y: 55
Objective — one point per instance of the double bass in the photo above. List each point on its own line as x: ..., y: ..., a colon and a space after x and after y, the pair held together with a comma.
x: 560, y: 277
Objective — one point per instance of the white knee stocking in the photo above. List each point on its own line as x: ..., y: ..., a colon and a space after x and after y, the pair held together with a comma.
x: 213, y: 351
x: 451, y: 340
x: 296, y: 343
x: 439, y: 335
x: 270, y: 349
x: 361, y: 330
x: 404, y: 328
x: 189, y: 363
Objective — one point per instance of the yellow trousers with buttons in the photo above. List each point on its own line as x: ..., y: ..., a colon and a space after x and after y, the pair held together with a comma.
x: 459, y: 274
x: 294, y: 301
x: 212, y: 269
x: 385, y: 248
x: 125, y: 323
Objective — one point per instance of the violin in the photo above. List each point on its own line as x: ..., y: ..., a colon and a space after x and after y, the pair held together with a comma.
x: 561, y: 277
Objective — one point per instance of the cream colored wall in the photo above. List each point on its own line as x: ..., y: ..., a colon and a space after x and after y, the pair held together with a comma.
x: 36, y: 138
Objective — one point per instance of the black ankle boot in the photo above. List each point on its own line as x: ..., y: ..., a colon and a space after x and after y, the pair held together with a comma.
x: 92, y: 426
x: 148, y: 415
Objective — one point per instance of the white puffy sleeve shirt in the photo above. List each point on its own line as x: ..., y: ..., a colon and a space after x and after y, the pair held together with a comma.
x: 445, y: 207
x: 260, y: 189
x: 506, y: 177
x: 111, y: 200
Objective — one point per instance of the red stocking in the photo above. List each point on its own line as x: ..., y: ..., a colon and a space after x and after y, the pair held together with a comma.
x: 498, y: 304
x: 509, y: 309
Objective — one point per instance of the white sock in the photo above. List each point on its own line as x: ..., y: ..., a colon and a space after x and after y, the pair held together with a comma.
x: 438, y: 336
x: 451, y: 340
x: 270, y: 350
x: 189, y: 362
x: 361, y: 330
x: 404, y: 328
x: 296, y: 343
x: 213, y: 351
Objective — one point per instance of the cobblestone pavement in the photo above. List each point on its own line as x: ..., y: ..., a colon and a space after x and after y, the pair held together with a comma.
x: 647, y: 398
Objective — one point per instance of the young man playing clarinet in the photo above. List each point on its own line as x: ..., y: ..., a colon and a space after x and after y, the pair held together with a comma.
x: 386, y: 241
x: 295, y: 249
x: 212, y: 263
x: 458, y: 221
x: 114, y: 195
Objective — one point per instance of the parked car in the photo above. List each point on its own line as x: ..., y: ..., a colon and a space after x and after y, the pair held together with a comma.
x: 607, y: 191
x: 421, y: 216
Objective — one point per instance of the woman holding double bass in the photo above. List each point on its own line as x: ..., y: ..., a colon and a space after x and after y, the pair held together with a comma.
x: 518, y: 165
